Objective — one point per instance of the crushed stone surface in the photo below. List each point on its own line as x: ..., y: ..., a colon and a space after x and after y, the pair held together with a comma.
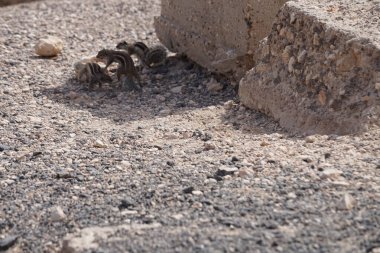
x: 207, y: 174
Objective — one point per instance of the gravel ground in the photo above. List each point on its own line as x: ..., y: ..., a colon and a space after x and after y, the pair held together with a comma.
x: 205, y: 173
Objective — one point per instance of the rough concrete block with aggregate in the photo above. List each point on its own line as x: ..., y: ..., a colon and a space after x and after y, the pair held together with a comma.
x: 319, y: 69
x: 219, y: 35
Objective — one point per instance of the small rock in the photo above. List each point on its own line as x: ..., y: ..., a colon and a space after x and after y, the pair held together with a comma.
x: 229, y: 105
x: 225, y: 170
x: 316, y: 40
x: 8, y: 181
x: 129, y: 212
x: 73, y: 95
x: 99, y: 144
x: 177, y: 89
x: 57, y: 214
x: 331, y: 173
x: 125, y: 164
x: 4, y: 147
x: 302, y: 56
x: 209, y: 146
x: 22, y: 156
x: 292, y: 195
x: 210, y: 181
x: 310, y: 139
x: 48, y: 47
x: 127, y: 203
x: 347, y: 203
x: 177, y: 216
x: 197, y: 205
x: 291, y: 63
x: 214, y: 86
x: 245, y: 172
x: 322, y: 97
x: 292, y: 18
x: 165, y: 112
x: 197, y: 193
x: 340, y: 182
x: 170, y: 163
x: 188, y: 190
x: 160, y: 98
x: 264, y: 144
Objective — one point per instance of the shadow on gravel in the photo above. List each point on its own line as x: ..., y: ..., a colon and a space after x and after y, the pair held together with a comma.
x: 178, y: 87
x: 251, y: 121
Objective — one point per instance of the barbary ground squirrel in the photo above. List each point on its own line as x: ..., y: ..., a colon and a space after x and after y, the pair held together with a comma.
x: 148, y: 57
x: 126, y: 71
x: 92, y: 73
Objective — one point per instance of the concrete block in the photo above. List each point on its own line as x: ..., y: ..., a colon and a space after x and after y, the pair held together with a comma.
x: 319, y: 69
x: 219, y: 35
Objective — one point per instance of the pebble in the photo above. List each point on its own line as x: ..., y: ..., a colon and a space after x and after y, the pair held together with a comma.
x: 340, y: 182
x: 331, y: 173
x: 57, y: 214
x: 4, y: 147
x: 188, y: 190
x: 228, y: 169
x: 165, y: 112
x: 99, y: 144
x: 310, y: 139
x: 49, y: 47
x: 177, y: 89
x: 229, y: 104
x: 347, y: 202
x: 125, y: 164
x: 210, y: 181
x: 159, y: 76
x: 8, y: 181
x: 197, y: 205
x: 209, y: 146
x: 177, y: 216
x: 214, y: 86
x: 160, y: 98
x: 245, y: 172
x: 197, y: 193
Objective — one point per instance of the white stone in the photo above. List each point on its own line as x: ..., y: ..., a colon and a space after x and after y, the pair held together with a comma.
x: 347, y: 202
x: 310, y: 139
x: 228, y: 169
x: 331, y: 173
x: 57, y: 214
x: 197, y: 193
x: 245, y: 172
x: 48, y: 47
x: 177, y: 216
x: 229, y: 104
x: 214, y: 86
x: 99, y: 144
